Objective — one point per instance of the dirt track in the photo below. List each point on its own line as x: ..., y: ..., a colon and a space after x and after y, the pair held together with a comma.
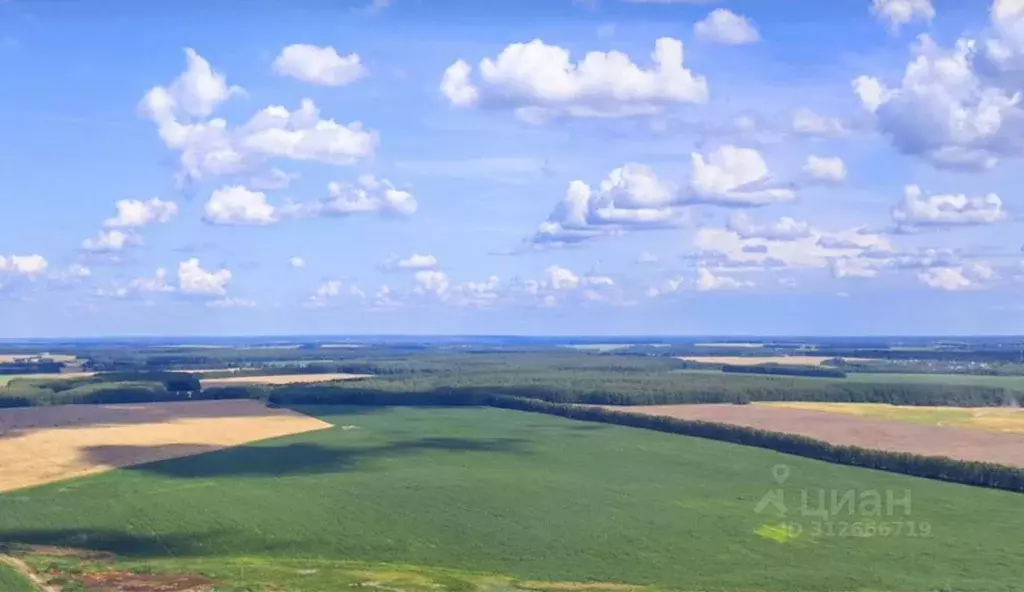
x: 953, y: 442
x: 43, y: 444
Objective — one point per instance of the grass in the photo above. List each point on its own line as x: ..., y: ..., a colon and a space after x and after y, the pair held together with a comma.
x: 500, y: 495
x: 991, y: 418
x: 12, y: 581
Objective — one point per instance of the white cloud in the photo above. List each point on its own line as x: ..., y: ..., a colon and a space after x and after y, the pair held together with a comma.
x: 669, y: 286
x: 157, y: 283
x: 211, y: 147
x: 633, y: 197
x: 854, y: 267
x: 319, y: 65
x: 76, y: 270
x: 238, y: 205
x: 561, y: 278
x: 1004, y: 52
x: 28, y: 265
x: 133, y: 213
x: 953, y: 279
x: 193, y: 279
x: 816, y: 250
x: 707, y: 281
x: 900, y: 12
x: 735, y: 176
x: 726, y: 27
x: 275, y: 178
x: 297, y: 262
x: 108, y: 241
x: 919, y: 209
x: 944, y: 112
x: 785, y: 229
x: 231, y: 303
x: 414, y: 261
x: 432, y: 281
x: 825, y: 169
x: 369, y: 195
x: 809, y: 123
x: 541, y: 81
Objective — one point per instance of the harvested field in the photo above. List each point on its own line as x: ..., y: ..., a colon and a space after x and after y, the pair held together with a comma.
x: 11, y: 358
x: 755, y: 360
x: 1001, y: 419
x: 43, y: 444
x: 883, y: 434
x: 6, y: 378
x: 279, y: 379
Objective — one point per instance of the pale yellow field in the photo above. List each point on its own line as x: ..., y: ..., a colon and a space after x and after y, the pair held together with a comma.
x: 11, y: 358
x: 44, y: 444
x: 1001, y: 419
x: 279, y: 379
x: 755, y: 360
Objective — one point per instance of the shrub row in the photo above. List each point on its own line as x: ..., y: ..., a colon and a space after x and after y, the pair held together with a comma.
x: 784, y: 370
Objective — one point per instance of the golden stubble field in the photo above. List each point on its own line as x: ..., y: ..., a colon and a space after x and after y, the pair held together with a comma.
x: 44, y: 444
x: 279, y: 379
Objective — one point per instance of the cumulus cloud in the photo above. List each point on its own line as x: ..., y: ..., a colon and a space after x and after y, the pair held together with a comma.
x: 297, y: 262
x: 109, y: 241
x: 331, y: 290
x: 238, y: 205
x: 193, y: 279
x: 319, y: 65
x: 815, y: 250
x: 920, y: 209
x: 943, y: 111
x: 133, y: 213
x: 786, y: 229
x: 669, y: 286
x: 431, y: 281
x: 1004, y: 51
x: 541, y: 81
x: 157, y: 283
x: 726, y: 27
x: 708, y: 281
x: 901, y: 12
x: 953, y: 279
x: 414, y: 261
x: 633, y: 197
x: 27, y: 265
x: 735, y: 176
x: 825, y: 169
x: 212, y: 147
x: 809, y: 123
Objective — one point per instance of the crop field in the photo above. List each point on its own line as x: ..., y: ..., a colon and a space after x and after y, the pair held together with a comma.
x: 6, y: 378
x: 488, y: 499
x: 12, y: 358
x: 1012, y: 382
x: 278, y: 379
x: 43, y: 444
x: 755, y: 360
x: 870, y: 431
x: 1001, y: 419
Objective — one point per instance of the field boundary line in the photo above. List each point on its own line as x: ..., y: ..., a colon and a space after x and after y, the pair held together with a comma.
x: 23, y: 568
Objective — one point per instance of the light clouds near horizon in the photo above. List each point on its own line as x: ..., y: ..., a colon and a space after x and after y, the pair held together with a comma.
x: 612, y: 167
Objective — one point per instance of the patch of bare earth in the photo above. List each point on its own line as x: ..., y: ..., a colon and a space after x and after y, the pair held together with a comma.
x: 126, y: 581
x: 881, y: 434
x: 757, y: 360
x: 279, y: 379
x: 44, y: 444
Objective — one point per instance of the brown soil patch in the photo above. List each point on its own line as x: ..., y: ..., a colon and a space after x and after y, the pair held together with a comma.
x: 850, y: 430
x: 44, y: 444
x: 279, y: 379
x: 11, y: 358
x: 126, y: 581
x: 755, y: 360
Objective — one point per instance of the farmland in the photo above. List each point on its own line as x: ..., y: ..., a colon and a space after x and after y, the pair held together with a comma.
x: 869, y: 431
x: 464, y: 495
x: 756, y: 360
x: 43, y: 444
x: 1002, y: 419
x: 279, y: 379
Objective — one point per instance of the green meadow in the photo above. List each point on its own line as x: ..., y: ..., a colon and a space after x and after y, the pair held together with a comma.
x: 480, y: 499
x: 12, y: 581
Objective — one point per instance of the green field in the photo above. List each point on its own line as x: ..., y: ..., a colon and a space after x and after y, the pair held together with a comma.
x: 491, y: 494
x: 12, y: 581
x: 1009, y: 382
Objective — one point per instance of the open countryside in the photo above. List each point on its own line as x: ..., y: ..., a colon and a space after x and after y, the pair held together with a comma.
x: 1001, y: 419
x: 468, y: 496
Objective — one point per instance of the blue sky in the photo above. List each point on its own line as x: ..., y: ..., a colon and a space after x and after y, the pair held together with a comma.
x: 850, y: 167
